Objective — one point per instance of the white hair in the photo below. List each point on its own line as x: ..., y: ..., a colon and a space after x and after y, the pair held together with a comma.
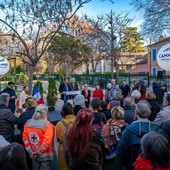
x: 40, y: 112
x: 109, y: 85
x: 136, y: 94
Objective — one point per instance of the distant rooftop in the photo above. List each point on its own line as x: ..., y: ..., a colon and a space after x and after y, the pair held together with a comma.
x: 162, y: 40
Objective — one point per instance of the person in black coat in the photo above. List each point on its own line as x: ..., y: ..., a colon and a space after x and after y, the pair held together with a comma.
x: 164, y: 88
x: 73, y: 87
x: 105, y: 110
x: 151, y: 99
x: 7, y: 119
x: 159, y: 93
x: 87, y: 95
x: 125, y: 89
x: 64, y: 87
x: 9, y: 89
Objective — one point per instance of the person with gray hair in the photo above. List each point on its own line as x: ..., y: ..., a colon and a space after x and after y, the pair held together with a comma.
x: 136, y: 94
x: 109, y: 93
x: 164, y: 114
x: 73, y: 87
x: 38, y: 138
x: 79, y: 102
x: 129, y: 146
x: 129, y: 105
x: 7, y: 119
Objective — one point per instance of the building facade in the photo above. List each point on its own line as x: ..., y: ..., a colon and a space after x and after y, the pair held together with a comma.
x: 152, y: 54
x: 149, y: 64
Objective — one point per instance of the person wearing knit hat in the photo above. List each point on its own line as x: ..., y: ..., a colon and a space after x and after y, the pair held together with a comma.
x: 78, y: 102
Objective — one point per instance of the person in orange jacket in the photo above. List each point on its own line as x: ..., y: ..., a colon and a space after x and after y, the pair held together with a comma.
x: 38, y: 138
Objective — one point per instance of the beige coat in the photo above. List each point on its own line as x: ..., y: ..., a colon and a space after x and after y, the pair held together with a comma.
x: 60, y: 129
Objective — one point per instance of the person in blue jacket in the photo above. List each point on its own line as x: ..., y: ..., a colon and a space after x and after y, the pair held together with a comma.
x: 9, y: 89
x: 129, y: 146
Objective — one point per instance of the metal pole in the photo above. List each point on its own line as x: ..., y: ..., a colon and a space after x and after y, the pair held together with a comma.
x: 150, y: 64
x: 112, y: 43
x: 0, y: 85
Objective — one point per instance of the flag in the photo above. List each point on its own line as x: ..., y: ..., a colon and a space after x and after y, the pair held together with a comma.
x: 37, y: 95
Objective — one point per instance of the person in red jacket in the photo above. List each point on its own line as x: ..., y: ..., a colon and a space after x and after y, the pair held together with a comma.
x: 38, y: 138
x: 155, y: 153
x: 98, y: 93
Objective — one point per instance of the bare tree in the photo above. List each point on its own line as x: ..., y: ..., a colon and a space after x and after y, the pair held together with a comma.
x: 28, y: 22
x: 156, y: 16
x: 111, y: 27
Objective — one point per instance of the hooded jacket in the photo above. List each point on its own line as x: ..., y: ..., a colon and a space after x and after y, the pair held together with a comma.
x: 129, y: 146
x: 162, y: 116
x: 38, y: 137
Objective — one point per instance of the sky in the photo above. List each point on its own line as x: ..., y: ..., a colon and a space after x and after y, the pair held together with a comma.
x: 96, y: 7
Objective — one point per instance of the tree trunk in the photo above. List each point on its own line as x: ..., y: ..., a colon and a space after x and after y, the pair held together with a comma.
x: 67, y: 70
x: 117, y: 73
x: 30, y: 81
x: 93, y: 67
x: 87, y: 69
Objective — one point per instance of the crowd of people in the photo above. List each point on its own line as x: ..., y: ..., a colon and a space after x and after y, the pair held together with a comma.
x: 121, y: 128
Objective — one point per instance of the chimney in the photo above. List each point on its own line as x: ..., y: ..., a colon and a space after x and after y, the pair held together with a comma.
x: 161, y: 38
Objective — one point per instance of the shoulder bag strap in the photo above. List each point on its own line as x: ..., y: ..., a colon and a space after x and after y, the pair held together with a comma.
x: 65, y: 124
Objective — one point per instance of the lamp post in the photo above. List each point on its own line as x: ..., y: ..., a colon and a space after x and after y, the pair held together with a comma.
x: 113, y: 57
x: 112, y: 42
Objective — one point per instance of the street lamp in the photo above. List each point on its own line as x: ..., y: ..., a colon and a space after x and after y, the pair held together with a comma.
x: 113, y: 57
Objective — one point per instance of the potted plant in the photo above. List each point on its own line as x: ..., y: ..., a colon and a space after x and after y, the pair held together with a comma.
x: 52, y: 94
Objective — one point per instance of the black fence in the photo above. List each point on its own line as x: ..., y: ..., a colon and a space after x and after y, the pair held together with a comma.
x: 103, y: 79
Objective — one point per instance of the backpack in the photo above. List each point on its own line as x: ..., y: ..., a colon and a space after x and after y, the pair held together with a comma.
x: 97, y: 127
x: 115, y: 134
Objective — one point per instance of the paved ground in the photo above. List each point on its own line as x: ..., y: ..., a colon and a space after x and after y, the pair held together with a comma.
x: 55, y: 116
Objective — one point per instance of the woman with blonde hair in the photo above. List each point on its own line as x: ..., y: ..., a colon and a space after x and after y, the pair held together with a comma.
x: 151, y: 99
x: 111, y: 134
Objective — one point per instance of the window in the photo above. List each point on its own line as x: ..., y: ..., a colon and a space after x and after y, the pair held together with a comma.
x: 141, y: 73
x: 128, y: 67
x: 154, y: 54
x: 154, y: 71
